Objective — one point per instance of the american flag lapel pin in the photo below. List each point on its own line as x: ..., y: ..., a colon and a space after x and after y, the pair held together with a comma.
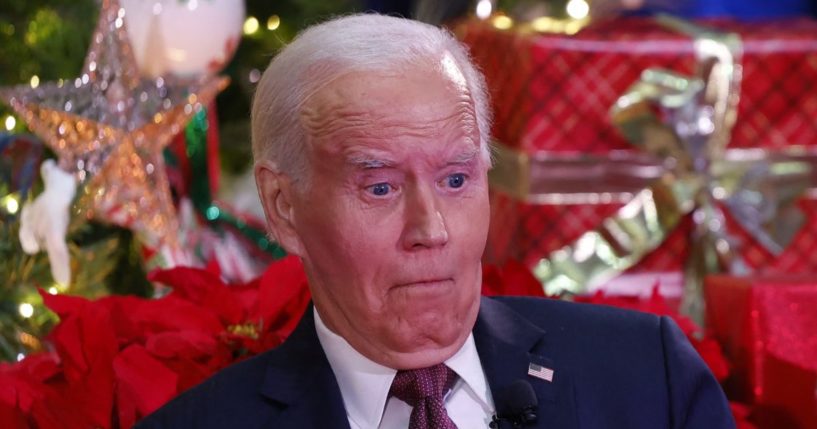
x: 541, y: 372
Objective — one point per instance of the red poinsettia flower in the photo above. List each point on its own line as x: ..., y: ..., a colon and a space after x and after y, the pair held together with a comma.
x: 205, y: 290
x: 118, y: 358
x: 144, y: 384
x: 742, y: 414
x: 257, y: 315
x: 86, y: 344
x: 22, y: 386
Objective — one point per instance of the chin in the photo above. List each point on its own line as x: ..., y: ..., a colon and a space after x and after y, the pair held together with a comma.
x: 422, y: 357
x: 440, y: 324
x: 431, y: 338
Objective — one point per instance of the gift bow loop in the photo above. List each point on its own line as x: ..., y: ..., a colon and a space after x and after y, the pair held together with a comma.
x: 682, y: 126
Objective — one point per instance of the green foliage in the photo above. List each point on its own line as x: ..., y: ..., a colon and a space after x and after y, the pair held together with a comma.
x: 104, y: 260
x: 17, y: 269
x: 44, y: 38
x: 49, y: 38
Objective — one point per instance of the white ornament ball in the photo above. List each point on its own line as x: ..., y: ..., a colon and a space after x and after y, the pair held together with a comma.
x: 186, y: 38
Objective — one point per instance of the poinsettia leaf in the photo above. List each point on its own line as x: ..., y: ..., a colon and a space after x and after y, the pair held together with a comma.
x: 204, y: 288
x: 146, y: 380
x: 283, y: 295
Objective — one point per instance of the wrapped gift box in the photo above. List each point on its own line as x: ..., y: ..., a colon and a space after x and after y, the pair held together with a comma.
x: 552, y: 92
x: 552, y: 95
x: 768, y: 329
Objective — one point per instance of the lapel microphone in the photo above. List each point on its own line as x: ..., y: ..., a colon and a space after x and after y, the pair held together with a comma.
x: 516, y: 406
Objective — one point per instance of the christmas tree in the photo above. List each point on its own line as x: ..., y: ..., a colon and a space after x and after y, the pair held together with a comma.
x: 45, y: 43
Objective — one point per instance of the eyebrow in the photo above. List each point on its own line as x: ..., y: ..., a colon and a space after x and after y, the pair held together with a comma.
x: 465, y: 157
x: 366, y: 161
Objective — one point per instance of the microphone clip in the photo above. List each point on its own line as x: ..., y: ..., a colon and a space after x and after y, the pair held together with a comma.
x: 520, y: 419
x: 516, y: 406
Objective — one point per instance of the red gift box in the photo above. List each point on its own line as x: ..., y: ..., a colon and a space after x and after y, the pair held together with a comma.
x: 552, y: 94
x: 767, y: 327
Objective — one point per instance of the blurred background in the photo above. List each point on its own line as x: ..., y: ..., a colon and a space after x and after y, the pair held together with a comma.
x: 46, y: 40
x: 659, y: 205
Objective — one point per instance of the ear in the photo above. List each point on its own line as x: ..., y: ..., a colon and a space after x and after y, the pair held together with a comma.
x: 276, y: 193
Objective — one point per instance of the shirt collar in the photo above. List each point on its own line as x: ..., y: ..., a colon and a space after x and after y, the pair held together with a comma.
x: 365, y: 384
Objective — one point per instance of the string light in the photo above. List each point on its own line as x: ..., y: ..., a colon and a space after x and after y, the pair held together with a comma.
x: 29, y: 340
x: 484, y: 9
x: 273, y: 23
x: 546, y: 24
x: 12, y: 205
x: 10, y: 123
x: 35, y: 81
x: 26, y: 310
x: 57, y: 287
x: 574, y: 26
x: 502, y: 22
x: 212, y: 213
x: 255, y: 75
x: 578, y: 9
x: 250, y: 25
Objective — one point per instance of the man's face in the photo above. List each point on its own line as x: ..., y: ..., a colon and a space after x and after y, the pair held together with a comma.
x: 394, y: 217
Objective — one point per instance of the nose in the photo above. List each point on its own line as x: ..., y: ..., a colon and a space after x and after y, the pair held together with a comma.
x: 425, y: 224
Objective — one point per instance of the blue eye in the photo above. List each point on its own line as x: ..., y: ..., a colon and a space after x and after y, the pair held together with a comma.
x: 380, y: 189
x: 456, y: 180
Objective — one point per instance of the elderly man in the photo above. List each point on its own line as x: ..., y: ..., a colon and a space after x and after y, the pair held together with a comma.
x: 371, y: 141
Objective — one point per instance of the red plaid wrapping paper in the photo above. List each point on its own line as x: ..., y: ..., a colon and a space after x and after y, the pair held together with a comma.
x: 552, y: 93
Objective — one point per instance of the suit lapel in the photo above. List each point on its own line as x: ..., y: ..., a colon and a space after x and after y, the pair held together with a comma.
x: 300, y: 381
x: 507, y: 345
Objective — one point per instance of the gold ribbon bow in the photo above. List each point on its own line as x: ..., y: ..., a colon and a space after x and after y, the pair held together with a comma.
x: 684, y: 169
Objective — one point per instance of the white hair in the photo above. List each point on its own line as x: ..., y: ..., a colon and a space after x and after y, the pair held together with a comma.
x: 355, y: 43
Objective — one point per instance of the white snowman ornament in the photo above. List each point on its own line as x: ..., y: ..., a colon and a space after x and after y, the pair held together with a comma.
x: 185, y: 38
x: 44, y: 222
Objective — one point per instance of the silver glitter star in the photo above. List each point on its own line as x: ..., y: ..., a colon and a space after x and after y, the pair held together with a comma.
x: 109, y: 126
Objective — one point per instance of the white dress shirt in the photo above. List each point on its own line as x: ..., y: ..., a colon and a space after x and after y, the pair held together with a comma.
x: 364, y: 386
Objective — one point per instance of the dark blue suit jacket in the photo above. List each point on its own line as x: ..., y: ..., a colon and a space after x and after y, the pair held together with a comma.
x: 612, y: 369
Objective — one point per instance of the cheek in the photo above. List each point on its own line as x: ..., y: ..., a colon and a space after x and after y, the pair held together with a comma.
x: 368, y: 233
x: 347, y: 242
x: 468, y: 221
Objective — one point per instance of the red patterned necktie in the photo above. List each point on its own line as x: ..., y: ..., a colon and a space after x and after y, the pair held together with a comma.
x: 424, y: 389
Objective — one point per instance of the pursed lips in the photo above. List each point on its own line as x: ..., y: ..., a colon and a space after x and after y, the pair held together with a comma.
x: 432, y: 282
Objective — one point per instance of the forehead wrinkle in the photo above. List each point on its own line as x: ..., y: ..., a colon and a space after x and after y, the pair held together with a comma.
x: 328, y: 120
x: 457, y: 121
x: 344, y: 115
x: 461, y: 119
x: 359, y: 126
